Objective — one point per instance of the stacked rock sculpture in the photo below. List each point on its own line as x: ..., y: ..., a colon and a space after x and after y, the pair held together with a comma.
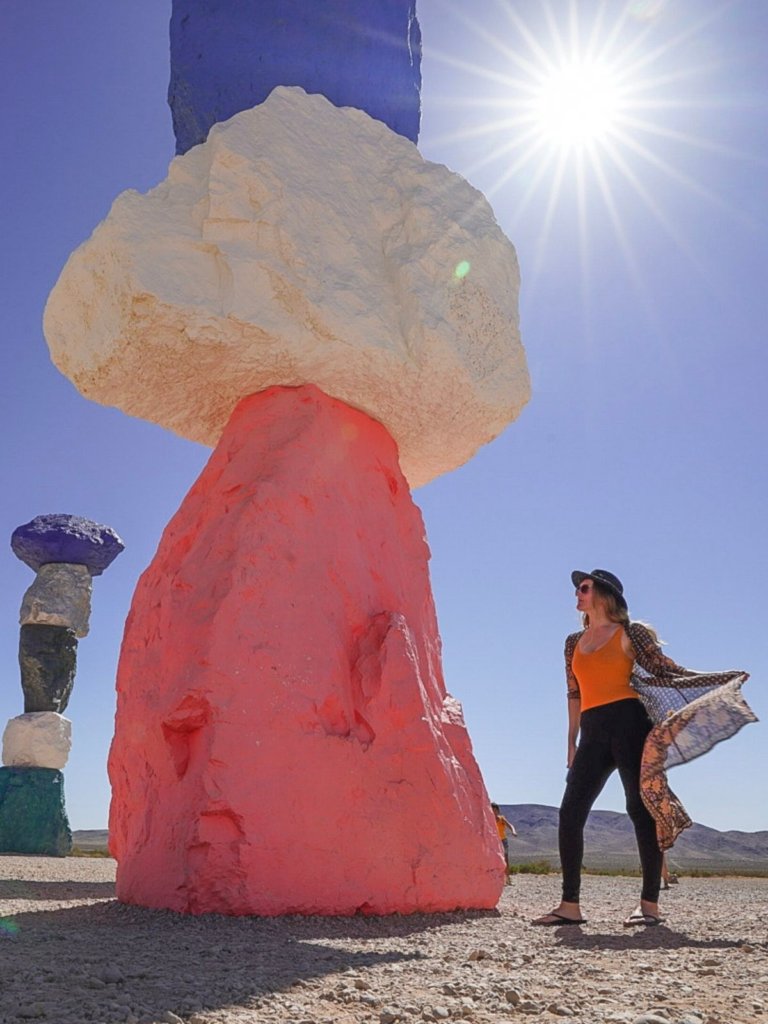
x: 66, y: 552
x: 338, y: 317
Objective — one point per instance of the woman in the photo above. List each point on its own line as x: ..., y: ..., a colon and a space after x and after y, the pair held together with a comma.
x: 617, y: 676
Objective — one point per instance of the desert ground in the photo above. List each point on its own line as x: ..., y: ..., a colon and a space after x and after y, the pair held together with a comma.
x: 70, y: 953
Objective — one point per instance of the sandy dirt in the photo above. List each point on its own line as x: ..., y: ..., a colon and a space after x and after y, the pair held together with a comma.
x: 70, y: 953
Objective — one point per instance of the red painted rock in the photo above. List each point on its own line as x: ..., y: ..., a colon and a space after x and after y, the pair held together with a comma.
x: 284, y: 742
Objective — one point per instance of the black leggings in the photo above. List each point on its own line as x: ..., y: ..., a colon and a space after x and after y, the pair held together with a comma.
x: 611, y: 736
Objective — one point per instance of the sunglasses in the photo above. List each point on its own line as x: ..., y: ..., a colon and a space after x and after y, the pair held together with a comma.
x: 584, y: 588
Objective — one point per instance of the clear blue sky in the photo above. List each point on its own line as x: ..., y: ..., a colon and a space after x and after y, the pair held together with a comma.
x: 644, y: 304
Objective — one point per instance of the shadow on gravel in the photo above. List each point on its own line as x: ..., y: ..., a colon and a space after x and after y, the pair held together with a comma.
x: 152, y: 961
x: 19, y: 889
x: 659, y: 937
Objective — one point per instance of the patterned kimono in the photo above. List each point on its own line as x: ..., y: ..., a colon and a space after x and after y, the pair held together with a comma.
x: 691, y: 712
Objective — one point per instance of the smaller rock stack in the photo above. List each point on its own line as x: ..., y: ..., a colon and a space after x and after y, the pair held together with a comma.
x: 65, y: 552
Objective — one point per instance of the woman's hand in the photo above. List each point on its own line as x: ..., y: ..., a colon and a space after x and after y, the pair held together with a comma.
x: 571, y: 751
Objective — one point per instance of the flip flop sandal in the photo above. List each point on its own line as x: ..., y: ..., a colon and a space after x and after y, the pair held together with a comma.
x: 559, y: 920
x: 649, y: 920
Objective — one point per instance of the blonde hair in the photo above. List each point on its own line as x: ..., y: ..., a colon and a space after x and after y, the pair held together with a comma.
x: 618, y: 612
x: 615, y: 608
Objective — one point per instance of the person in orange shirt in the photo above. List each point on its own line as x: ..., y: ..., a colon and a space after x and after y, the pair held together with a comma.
x: 505, y: 829
x: 607, y: 717
x: 632, y: 709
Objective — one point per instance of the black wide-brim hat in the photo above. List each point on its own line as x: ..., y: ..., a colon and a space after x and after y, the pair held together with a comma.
x: 605, y: 579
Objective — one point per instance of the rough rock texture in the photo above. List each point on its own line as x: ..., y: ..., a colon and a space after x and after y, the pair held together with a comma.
x: 301, y: 244
x: 284, y: 742
x: 227, y: 57
x: 64, y: 538
x: 59, y: 596
x: 40, y: 739
x: 48, y: 661
x: 33, y: 818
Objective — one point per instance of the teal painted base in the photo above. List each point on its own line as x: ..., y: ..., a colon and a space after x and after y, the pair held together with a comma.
x: 33, y: 818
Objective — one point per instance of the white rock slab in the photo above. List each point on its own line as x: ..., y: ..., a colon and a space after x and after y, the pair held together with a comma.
x: 60, y: 595
x: 38, y: 739
x: 302, y: 243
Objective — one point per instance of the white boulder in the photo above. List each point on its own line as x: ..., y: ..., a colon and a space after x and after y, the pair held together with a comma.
x: 60, y: 595
x: 302, y: 243
x: 38, y: 739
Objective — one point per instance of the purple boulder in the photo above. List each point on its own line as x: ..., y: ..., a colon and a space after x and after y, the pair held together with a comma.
x: 63, y: 538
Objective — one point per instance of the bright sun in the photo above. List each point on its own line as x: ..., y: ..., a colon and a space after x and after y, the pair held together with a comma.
x: 576, y: 104
x: 581, y: 101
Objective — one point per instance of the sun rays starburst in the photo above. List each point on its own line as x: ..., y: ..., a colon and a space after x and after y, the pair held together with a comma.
x: 585, y: 102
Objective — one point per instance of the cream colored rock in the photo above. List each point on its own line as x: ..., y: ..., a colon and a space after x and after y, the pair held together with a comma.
x: 38, y: 739
x: 60, y: 595
x: 302, y: 243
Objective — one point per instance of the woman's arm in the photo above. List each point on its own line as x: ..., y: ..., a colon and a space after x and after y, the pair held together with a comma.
x: 574, y: 718
x: 574, y: 697
x: 646, y: 650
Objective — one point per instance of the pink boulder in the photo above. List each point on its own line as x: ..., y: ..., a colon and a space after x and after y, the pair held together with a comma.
x: 284, y: 742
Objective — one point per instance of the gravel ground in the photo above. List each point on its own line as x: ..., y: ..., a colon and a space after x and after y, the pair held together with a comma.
x: 70, y: 953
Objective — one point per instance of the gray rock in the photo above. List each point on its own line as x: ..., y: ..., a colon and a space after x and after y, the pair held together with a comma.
x: 111, y: 975
x: 59, y: 596
x: 31, y: 1011
x: 48, y: 660
x: 529, y: 1006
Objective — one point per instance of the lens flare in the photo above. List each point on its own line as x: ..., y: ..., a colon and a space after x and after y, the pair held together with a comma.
x: 462, y: 269
x: 8, y: 928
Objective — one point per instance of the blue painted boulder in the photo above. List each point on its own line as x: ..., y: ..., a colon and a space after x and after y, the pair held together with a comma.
x: 228, y: 56
x: 65, y: 538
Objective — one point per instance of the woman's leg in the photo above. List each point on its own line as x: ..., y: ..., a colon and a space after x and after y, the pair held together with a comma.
x: 628, y: 751
x: 589, y: 772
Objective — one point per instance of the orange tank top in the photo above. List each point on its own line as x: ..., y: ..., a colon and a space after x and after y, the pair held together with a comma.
x: 603, y: 675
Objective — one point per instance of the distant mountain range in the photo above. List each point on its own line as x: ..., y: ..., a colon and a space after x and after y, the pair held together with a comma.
x: 90, y: 839
x: 609, y: 842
